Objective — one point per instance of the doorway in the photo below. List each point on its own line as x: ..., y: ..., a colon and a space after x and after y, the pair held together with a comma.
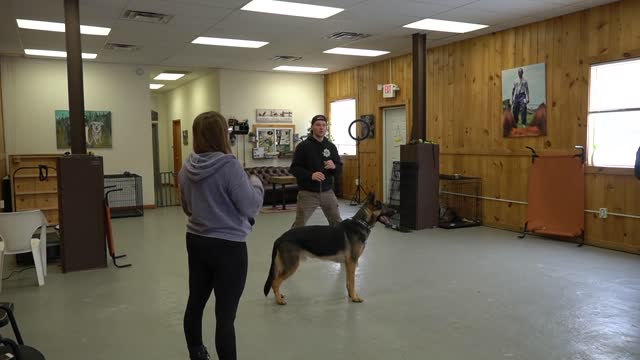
x: 177, y: 150
x: 395, y: 134
x: 156, y: 159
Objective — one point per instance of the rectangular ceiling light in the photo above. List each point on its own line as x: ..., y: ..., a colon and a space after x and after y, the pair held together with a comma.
x: 155, y: 86
x: 299, y: 68
x: 229, y: 42
x: 168, y: 76
x: 59, y: 27
x: 52, y: 53
x: 444, y: 26
x: 291, y: 9
x: 355, y: 52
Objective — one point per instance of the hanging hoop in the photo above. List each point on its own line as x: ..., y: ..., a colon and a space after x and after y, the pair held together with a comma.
x: 365, y: 130
x: 365, y: 133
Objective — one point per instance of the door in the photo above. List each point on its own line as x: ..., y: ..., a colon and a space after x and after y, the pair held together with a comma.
x: 156, y: 160
x: 395, y: 134
x: 177, y: 149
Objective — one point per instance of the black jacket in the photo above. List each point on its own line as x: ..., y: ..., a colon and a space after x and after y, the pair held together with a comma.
x: 309, y: 157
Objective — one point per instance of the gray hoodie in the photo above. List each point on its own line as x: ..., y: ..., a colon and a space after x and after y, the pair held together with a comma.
x: 218, y: 196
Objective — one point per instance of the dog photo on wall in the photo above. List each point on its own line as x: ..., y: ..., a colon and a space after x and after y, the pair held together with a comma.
x: 524, y: 104
x: 97, y: 129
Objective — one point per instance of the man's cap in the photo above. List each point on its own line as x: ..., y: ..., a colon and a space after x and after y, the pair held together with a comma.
x: 318, y: 117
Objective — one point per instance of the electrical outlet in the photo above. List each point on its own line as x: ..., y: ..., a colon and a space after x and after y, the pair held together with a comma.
x: 357, y: 182
x: 603, y: 213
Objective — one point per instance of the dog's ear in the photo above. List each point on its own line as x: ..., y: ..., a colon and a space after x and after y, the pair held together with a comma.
x: 371, y: 198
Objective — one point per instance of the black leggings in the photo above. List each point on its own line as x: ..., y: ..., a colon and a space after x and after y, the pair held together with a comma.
x: 218, y: 265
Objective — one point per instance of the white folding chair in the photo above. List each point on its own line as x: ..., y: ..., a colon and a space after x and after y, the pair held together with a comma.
x: 16, y: 237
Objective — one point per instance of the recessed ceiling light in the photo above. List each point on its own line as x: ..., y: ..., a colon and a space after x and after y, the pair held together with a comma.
x: 291, y: 9
x: 444, y: 26
x: 355, y: 52
x: 168, y: 76
x: 229, y: 42
x: 299, y: 68
x: 52, y: 53
x: 155, y: 86
x: 59, y: 27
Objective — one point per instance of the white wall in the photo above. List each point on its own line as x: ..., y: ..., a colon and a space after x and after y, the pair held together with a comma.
x: 184, y: 104
x: 242, y: 92
x: 154, y: 101
x: 32, y: 89
x: 164, y: 149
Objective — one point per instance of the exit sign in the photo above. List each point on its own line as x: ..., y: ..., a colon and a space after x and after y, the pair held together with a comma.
x: 389, y: 90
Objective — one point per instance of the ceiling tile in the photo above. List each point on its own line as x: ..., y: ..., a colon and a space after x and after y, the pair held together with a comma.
x: 390, y: 13
x: 512, y: 7
x: 170, y: 44
x: 475, y: 16
x: 47, y: 40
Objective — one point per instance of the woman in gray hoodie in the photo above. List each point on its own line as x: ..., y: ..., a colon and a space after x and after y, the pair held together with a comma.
x: 221, y: 202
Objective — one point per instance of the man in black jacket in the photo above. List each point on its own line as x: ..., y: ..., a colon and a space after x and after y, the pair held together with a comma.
x: 315, y: 164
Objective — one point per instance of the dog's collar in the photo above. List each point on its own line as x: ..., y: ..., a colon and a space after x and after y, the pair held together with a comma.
x: 362, y: 222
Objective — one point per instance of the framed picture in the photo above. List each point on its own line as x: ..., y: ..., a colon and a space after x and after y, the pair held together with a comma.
x: 274, y: 116
x: 97, y: 129
x: 266, y: 140
x: 524, y: 101
x: 273, y: 140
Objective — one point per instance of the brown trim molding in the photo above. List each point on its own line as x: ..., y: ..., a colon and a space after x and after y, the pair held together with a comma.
x: 609, y: 171
x: 503, y: 152
x: 604, y: 58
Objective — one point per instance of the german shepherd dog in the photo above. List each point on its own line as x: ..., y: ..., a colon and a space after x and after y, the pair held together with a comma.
x: 343, y: 243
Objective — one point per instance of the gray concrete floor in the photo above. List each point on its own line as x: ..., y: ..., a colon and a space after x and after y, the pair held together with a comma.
x: 474, y: 293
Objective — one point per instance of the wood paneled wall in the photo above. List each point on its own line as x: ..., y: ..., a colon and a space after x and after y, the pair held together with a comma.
x: 464, y: 112
x: 361, y: 83
x: 465, y: 115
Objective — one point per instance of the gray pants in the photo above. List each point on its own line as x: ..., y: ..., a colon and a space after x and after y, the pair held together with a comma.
x: 308, y: 202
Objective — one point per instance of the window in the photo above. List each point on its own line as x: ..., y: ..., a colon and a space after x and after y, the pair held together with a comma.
x: 614, y: 114
x: 343, y: 112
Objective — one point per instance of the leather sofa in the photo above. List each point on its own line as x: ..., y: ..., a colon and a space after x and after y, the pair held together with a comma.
x: 264, y: 173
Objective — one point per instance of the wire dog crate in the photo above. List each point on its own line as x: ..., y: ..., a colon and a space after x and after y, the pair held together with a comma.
x: 128, y: 201
x: 394, y: 196
x: 394, y: 188
x: 460, y: 202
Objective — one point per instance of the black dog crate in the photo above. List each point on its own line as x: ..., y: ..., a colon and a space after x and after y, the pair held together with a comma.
x: 460, y: 202
x: 126, y: 201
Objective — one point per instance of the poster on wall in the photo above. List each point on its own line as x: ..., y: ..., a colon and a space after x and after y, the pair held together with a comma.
x: 524, y: 101
x: 277, y: 116
x: 284, y: 139
x: 97, y: 129
x: 266, y: 139
x: 273, y: 142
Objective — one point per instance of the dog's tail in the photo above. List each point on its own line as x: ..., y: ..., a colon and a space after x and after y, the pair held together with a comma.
x: 267, y: 284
